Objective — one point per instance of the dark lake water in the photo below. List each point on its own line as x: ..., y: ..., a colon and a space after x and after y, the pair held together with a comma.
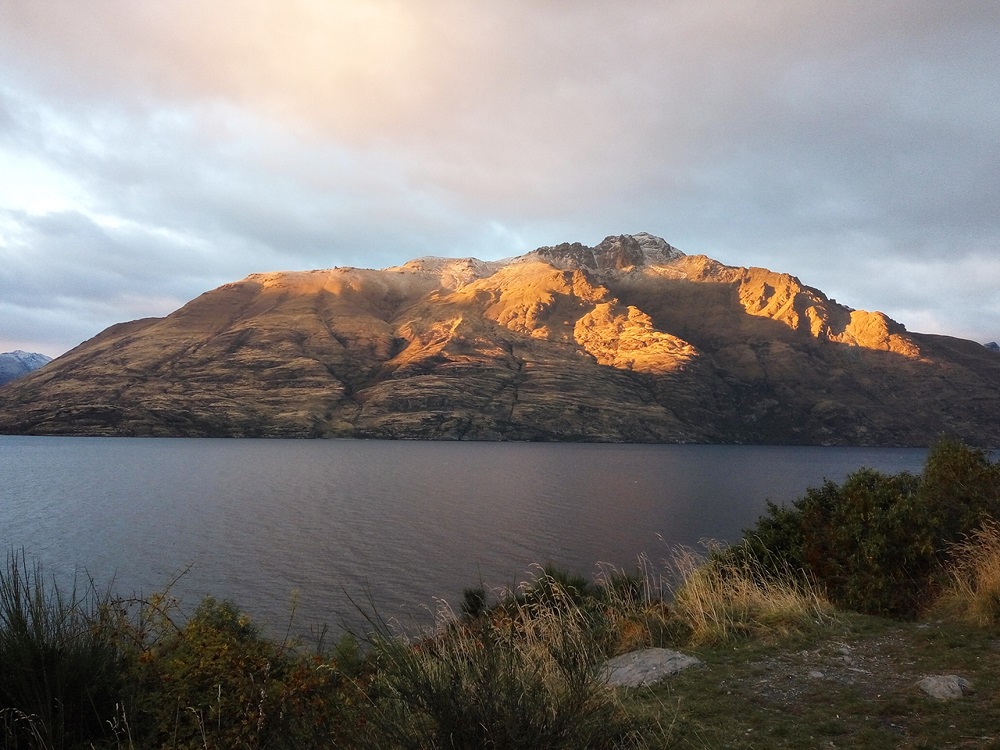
x: 402, y: 522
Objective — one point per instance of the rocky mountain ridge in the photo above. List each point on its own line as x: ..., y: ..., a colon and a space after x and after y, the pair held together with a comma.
x: 630, y: 340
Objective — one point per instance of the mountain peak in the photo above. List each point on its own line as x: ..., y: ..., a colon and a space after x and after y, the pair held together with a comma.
x: 630, y: 340
x: 615, y: 253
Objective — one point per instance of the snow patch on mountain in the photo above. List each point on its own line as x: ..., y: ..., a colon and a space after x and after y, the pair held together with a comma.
x: 452, y: 273
x: 655, y: 249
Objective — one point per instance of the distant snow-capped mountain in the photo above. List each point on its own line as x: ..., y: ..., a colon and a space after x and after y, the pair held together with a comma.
x: 17, y: 363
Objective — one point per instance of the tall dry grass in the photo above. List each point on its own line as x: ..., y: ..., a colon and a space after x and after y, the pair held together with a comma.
x: 525, y: 674
x: 719, y: 598
x: 972, y: 591
x: 63, y: 658
x: 634, y: 610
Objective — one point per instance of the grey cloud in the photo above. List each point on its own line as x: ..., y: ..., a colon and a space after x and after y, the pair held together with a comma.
x: 43, y: 330
x: 806, y: 136
x: 67, y: 267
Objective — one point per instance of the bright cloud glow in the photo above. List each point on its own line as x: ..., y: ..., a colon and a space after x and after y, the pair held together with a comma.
x: 34, y: 187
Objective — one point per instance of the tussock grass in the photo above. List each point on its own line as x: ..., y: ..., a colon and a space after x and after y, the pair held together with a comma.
x: 635, y: 612
x: 722, y: 597
x: 63, y: 659
x: 972, y: 591
x: 522, y: 675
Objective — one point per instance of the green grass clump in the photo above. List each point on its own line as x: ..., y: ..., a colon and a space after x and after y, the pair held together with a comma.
x: 87, y: 669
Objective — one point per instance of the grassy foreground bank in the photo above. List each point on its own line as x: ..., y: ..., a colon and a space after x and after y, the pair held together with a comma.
x: 813, y: 632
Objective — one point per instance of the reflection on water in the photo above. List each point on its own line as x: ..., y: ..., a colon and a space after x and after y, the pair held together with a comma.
x: 403, y: 522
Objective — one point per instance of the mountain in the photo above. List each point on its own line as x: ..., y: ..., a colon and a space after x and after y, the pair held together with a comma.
x: 17, y: 363
x: 631, y: 340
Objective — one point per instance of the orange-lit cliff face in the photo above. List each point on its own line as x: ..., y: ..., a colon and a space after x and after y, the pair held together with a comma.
x: 629, y: 341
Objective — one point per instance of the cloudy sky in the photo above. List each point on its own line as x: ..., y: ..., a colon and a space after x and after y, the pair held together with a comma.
x: 151, y: 150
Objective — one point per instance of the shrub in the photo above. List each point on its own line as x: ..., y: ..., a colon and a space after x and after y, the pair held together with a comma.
x: 877, y: 542
x: 632, y: 609
x: 960, y: 488
x: 555, y: 587
x: 473, y: 602
x: 217, y: 682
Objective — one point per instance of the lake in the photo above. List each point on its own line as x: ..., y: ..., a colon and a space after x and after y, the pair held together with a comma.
x: 400, y: 523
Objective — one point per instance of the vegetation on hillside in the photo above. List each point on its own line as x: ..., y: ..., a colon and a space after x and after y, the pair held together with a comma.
x: 85, y: 668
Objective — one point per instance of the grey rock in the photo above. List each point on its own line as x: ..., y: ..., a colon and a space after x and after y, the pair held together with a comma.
x: 945, y: 687
x: 646, y: 667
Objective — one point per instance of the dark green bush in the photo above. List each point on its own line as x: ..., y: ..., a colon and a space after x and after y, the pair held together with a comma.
x: 473, y: 602
x: 216, y: 681
x: 960, y: 487
x: 877, y: 542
